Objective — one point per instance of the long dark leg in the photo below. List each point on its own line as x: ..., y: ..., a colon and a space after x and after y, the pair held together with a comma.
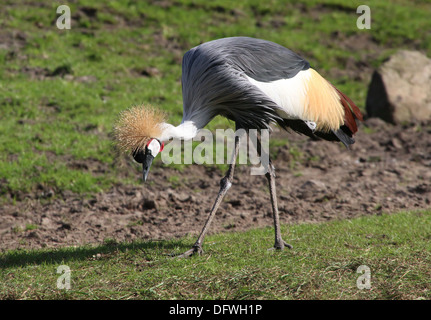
x: 225, y: 184
x: 270, y: 176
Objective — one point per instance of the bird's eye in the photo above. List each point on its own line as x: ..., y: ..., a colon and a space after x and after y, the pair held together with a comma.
x: 139, y: 155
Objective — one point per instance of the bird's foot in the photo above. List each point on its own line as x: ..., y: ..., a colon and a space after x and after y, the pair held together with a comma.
x: 196, y: 249
x: 280, y: 245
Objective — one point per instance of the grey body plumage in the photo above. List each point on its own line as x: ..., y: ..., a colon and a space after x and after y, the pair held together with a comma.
x: 214, y: 82
x: 255, y: 83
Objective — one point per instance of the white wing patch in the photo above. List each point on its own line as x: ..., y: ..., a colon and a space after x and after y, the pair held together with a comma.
x: 308, y: 97
x: 289, y: 94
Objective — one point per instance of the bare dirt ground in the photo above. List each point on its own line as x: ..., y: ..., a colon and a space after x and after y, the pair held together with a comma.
x: 387, y: 170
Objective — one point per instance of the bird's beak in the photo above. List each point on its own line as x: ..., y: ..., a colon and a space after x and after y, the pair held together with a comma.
x: 146, y: 164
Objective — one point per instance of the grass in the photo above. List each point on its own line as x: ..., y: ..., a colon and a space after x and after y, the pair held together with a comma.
x: 323, y: 265
x: 61, y: 90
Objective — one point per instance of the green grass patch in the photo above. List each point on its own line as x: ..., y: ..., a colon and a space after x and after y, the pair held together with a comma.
x: 61, y: 90
x: 323, y: 265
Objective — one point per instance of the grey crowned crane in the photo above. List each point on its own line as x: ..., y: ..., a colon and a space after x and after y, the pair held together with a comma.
x: 255, y: 83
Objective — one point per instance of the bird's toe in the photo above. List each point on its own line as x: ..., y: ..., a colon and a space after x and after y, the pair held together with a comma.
x: 193, y: 251
x: 280, y: 245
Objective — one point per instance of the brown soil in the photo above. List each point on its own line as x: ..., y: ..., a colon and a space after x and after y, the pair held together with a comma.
x: 387, y: 170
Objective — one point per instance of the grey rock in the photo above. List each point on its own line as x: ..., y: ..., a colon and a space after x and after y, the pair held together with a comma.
x: 400, y: 89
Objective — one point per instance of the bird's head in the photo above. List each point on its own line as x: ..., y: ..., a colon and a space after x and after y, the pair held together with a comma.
x: 138, y: 131
x: 147, y: 155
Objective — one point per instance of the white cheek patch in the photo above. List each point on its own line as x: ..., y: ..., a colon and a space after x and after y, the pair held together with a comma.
x: 154, y: 146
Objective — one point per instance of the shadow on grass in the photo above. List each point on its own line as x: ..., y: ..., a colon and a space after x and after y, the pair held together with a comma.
x: 147, y: 249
